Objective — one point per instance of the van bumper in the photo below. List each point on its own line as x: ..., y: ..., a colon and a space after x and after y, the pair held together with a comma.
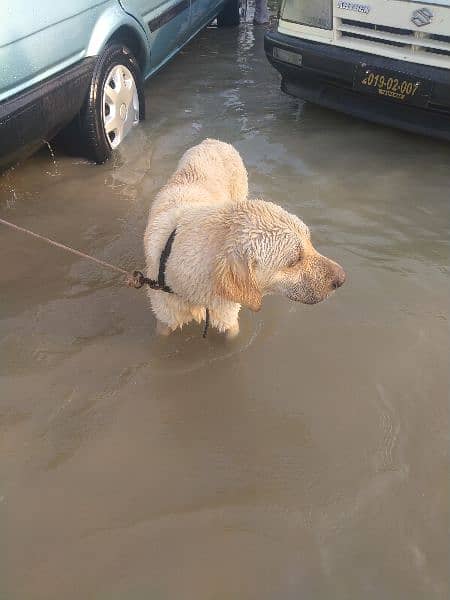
x: 325, y: 74
x: 36, y: 115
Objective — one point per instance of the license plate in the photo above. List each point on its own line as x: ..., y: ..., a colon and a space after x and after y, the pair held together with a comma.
x: 392, y: 85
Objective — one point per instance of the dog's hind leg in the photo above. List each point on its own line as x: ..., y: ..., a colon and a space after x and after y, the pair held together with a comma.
x: 166, y: 309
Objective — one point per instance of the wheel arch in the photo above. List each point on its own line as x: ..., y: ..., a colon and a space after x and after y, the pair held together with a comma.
x: 114, y: 25
x: 127, y: 36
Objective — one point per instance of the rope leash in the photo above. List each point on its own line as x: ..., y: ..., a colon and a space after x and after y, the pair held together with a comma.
x: 64, y: 247
x: 136, y: 279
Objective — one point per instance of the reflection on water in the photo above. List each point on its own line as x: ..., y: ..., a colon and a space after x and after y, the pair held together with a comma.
x: 308, y: 458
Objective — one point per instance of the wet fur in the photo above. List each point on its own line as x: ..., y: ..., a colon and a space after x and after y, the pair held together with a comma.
x: 228, y: 251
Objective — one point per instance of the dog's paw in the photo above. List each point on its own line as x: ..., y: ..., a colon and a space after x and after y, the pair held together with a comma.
x: 232, y: 332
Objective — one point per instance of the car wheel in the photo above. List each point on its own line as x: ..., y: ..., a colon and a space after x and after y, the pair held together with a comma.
x: 229, y: 15
x: 114, y: 105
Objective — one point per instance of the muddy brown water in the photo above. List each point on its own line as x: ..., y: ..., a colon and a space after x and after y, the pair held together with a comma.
x: 308, y: 459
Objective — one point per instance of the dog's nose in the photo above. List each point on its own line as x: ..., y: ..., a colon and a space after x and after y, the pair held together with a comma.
x: 339, y: 278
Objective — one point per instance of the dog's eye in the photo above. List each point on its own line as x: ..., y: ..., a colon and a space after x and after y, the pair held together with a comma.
x: 294, y: 261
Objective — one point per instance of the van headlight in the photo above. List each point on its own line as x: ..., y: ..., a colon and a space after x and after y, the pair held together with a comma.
x: 315, y: 13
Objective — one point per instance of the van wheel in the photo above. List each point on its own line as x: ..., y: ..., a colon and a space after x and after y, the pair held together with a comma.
x: 229, y: 16
x: 114, y: 105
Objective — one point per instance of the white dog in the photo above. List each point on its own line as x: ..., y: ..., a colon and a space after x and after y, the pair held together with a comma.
x: 227, y: 250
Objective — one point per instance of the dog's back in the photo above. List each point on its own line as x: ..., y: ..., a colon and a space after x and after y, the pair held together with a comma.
x: 210, y: 172
x: 216, y: 165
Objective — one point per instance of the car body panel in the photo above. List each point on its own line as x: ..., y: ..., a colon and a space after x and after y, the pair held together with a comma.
x: 36, y: 43
x: 166, y: 23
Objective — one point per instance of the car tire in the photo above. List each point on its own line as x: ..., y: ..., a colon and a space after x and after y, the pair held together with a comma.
x: 229, y: 15
x: 114, y: 104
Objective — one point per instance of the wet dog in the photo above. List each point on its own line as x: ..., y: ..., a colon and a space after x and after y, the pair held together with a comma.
x: 227, y: 250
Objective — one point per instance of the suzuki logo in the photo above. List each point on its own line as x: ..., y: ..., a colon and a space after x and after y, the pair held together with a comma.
x: 422, y: 17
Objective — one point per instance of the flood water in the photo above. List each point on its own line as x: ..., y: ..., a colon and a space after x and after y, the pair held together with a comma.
x: 308, y: 459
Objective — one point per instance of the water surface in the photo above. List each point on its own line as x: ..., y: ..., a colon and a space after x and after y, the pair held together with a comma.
x: 308, y: 458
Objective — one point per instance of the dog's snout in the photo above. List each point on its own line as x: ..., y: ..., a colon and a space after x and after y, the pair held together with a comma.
x: 339, y: 278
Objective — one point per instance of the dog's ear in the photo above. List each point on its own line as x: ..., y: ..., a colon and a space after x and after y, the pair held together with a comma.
x: 235, y: 281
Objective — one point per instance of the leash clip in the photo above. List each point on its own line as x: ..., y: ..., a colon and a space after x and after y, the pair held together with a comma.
x: 136, y: 280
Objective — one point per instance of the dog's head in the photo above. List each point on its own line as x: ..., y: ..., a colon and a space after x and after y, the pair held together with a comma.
x: 269, y: 251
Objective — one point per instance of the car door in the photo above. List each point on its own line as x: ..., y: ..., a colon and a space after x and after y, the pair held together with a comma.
x: 201, y: 13
x: 167, y: 23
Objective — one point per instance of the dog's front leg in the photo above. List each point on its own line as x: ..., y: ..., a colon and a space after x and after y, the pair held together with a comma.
x: 162, y: 328
x: 232, y: 331
x: 225, y: 318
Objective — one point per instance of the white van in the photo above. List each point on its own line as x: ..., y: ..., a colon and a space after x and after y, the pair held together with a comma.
x: 387, y: 61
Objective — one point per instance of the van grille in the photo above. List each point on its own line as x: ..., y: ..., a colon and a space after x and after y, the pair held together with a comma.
x: 406, y: 40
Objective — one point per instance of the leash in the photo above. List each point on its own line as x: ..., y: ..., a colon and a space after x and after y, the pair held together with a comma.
x: 136, y: 279
x: 67, y: 248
